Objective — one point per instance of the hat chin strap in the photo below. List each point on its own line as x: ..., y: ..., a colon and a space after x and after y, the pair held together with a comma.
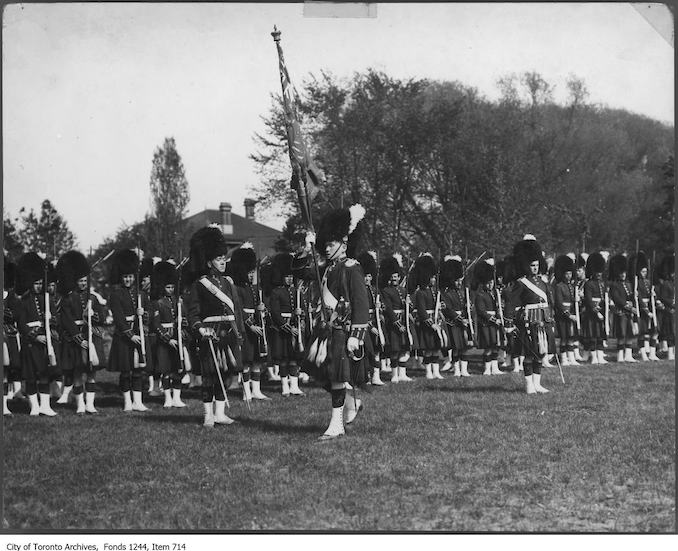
x: 336, y: 251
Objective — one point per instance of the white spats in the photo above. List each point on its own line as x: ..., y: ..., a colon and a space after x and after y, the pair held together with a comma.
x: 220, y: 417
x: 336, y: 426
x: 536, y: 379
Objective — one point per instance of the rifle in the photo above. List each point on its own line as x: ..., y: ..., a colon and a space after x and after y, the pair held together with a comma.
x: 607, y: 314
x: 92, y: 356
x: 184, y: 357
x: 263, y: 348
x: 576, y: 307
x: 141, y: 355
x: 653, y: 301
x: 300, y: 336
x: 502, y: 334
x: 635, y: 328
x: 48, y: 332
x: 442, y: 334
x: 470, y: 319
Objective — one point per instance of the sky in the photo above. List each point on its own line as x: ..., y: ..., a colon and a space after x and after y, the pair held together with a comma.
x: 91, y: 90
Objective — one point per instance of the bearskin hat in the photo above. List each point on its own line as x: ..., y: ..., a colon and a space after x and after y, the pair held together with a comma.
x: 52, y: 275
x: 124, y: 261
x: 636, y: 263
x: 527, y: 251
x: 30, y: 268
x: 164, y: 273
x: 368, y: 261
x: 510, y: 270
x: 450, y: 271
x: 69, y: 269
x: 667, y: 267
x: 595, y: 264
x: 500, y: 268
x: 206, y: 244
x: 483, y: 272
x: 281, y: 266
x: 243, y: 261
x: 563, y: 263
x: 618, y: 264
x: 9, y: 274
x: 387, y: 267
x: 580, y: 262
x: 423, y: 270
x: 185, y: 277
x: 303, y: 266
x: 340, y: 225
x: 146, y: 268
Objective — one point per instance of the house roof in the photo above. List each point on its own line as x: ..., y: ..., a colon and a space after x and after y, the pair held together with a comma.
x: 243, y: 229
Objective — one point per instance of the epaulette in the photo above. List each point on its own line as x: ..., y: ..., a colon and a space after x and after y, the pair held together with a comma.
x: 230, y: 280
x: 350, y: 262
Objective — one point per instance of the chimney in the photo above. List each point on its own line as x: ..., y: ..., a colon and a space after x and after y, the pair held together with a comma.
x: 226, y: 224
x: 249, y: 208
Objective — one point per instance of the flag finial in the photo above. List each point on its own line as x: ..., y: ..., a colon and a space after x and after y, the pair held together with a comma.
x: 276, y: 33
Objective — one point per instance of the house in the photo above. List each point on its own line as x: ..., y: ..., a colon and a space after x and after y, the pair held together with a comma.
x: 237, y: 229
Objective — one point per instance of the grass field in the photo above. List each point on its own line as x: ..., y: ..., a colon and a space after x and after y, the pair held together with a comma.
x: 475, y: 454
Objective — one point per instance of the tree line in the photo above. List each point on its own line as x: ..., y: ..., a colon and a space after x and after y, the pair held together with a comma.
x: 441, y: 168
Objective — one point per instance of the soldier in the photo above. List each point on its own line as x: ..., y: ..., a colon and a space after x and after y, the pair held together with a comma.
x: 10, y: 337
x: 57, y: 378
x: 243, y: 265
x: 394, y: 297
x: 428, y: 327
x: 164, y: 324
x: 647, y: 328
x: 487, y: 314
x: 594, y: 319
x: 514, y: 344
x: 564, y: 297
x: 624, y: 311
x: 37, y: 366
x: 337, y: 351
x: 500, y: 295
x: 77, y: 361
x: 125, y: 355
x: 531, y: 299
x: 215, y: 317
x: 373, y: 346
x: 666, y: 304
x: 451, y: 282
x: 150, y: 340
x: 579, y: 281
x: 287, y: 323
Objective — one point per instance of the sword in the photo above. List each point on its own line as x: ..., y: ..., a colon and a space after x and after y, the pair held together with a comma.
x: 216, y: 366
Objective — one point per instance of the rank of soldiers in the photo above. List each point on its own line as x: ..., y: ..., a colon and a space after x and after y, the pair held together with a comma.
x: 223, y: 319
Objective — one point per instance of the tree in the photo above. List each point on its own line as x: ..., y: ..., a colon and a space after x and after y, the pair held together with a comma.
x: 46, y: 232
x: 11, y: 242
x: 169, y: 199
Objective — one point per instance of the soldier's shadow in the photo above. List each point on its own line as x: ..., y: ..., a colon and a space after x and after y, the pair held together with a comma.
x: 472, y: 389
x: 277, y: 427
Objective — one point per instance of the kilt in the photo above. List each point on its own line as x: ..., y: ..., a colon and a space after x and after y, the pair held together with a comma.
x: 622, y: 326
x: 121, y: 356
x: 566, y: 329
x: 396, y: 342
x: 73, y: 358
x: 250, y: 348
x: 487, y: 336
x: 35, y: 363
x: 645, y: 325
x: 666, y: 330
x: 167, y: 359
x: 592, y: 327
x: 13, y: 370
x: 458, y: 337
x: 514, y: 346
x: 428, y: 338
x: 282, y: 346
x: 338, y: 367
x: 227, y: 349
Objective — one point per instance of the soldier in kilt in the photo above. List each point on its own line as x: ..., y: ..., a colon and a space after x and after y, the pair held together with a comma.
x: 579, y: 281
x: 125, y: 352
x: 564, y: 296
x: 337, y: 352
x: 57, y: 377
x: 514, y: 344
x: 37, y: 367
x: 215, y: 318
x: 373, y: 346
x: 11, y: 345
x: 286, y: 343
x: 243, y: 266
x: 394, y: 297
x: 532, y: 299
x: 78, y: 366
x: 624, y: 324
x: 594, y: 332
x: 666, y: 304
x: 152, y: 382
x: 452, y: 293
x: 423, y: 277
x: 11, y: 373
x: 647, y: 328
x: 487, y: 315
x: 164, y: 324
